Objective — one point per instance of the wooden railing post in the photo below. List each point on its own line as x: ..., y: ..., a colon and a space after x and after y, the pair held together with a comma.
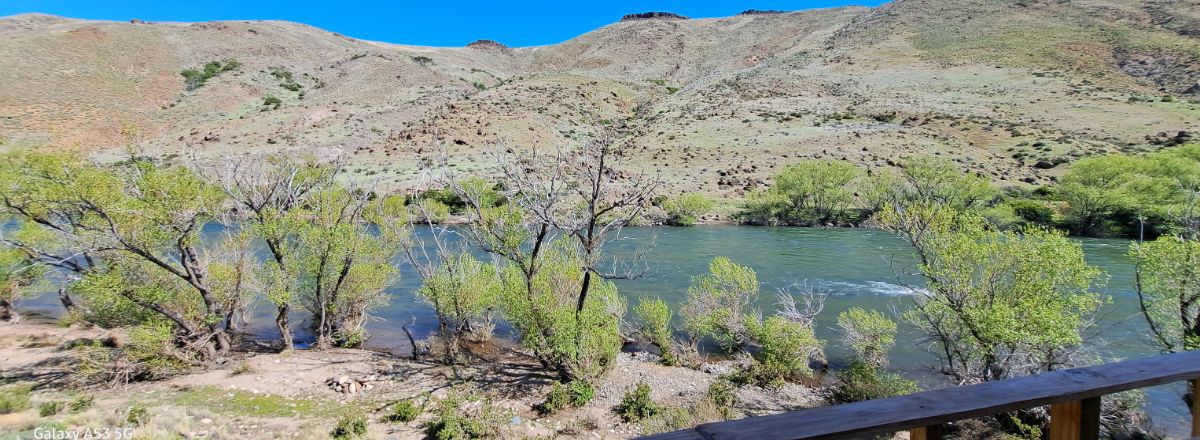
x: 1195, y: 407
x: 931, y: 432
x: 1077, y: 420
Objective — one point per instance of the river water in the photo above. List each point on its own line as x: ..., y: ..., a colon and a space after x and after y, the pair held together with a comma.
x: 856, y: 267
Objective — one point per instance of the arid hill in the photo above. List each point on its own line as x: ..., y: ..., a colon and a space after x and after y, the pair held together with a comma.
x: 1010, y: 89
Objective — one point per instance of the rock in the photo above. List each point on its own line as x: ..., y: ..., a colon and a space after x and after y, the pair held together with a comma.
x: 653, y: 16
x: 343, y: 379
x: 761, y: 12
x: 487, y: 44
x: 205, y: 421
x: 1043, y: 165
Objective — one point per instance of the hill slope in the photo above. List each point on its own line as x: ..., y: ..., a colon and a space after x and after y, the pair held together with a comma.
x: 713, y: 104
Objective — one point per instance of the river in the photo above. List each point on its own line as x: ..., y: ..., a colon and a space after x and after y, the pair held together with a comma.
x: 857, y: 267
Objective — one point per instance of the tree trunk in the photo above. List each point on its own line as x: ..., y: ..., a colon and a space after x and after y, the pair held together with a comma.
x: 285, y: 329
x: 65, y: 299
x: 8, y: 312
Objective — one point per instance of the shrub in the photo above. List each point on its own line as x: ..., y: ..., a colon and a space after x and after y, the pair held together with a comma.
x: 81, y: 403
x: 465, y: 415
x: 349, y: 427
x: 47, y: 409
x: 1032, y: 211
x: 137, y: 416
x: 422, y: 60
x: 717, y: 301
x: 686, y: 209
x: 655, y: 324
x: 574, y: 394
x: 637, y: 405
x: 272, y: 102
x: 404, y: 411
x: 869, y: 334
x: 14, y: 399
x: 864, y: 381
x: 195, y: 78
x: 578, y: 344
x: 786, y: 347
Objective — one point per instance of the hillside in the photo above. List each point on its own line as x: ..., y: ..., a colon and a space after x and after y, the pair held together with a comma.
x: 1006, y: 88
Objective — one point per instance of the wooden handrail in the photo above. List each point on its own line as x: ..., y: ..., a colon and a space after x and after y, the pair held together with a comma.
x: 1073, y: 394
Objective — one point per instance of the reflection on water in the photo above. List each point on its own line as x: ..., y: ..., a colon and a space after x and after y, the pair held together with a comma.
x: 857, y: 267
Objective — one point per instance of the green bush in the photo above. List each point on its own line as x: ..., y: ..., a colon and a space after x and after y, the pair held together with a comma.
x: 195, y: 78
x: 404, y: 411
x: 785, y: 349
x: 349, y: 427
x: 717, y: 303
x: 14, y: 399
x: 686, y: 209
x: 637, y: 405
x: 137, y: 416
x: 577, y: 393
x: 863, y: 381
x: 47, y: 409
x: 869, y: 334
x: 81, y: 403
x: 272, y: 102
x: 464, y: 415
x: 1032, y: 211
x: 654, y: 318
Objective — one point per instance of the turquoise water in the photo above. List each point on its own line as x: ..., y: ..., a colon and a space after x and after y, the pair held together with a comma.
x: 856, y: 267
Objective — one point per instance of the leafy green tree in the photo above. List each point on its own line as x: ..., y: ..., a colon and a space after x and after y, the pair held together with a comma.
x: 341, y: 246
x: 719, y: 306
x: 575, y: 344
x: 463, y: 292
x: 1096, y: 188
x: 18, y: 274
x: 686, y: 209
x: 817, y: 191
x: 998, y: 304
x: 144, y: 221
x: 939, y: 182
x: 785, y: 349
x: 1168, y: 273
x: 266, y: 190
x: 718, y: 301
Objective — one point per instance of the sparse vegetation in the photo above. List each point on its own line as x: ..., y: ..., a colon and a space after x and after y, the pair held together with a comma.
x: 196, y: 78
x: 636, y: 405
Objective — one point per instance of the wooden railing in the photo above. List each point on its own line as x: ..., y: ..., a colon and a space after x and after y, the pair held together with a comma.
x: 1073, y: 396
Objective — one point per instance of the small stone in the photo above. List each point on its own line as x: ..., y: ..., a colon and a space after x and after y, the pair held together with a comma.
x: 205, y: 421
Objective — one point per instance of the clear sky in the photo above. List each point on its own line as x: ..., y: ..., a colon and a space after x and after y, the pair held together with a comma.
x: 429, y: 23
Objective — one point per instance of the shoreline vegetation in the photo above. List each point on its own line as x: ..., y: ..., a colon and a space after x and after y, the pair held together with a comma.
x: 155, y: 313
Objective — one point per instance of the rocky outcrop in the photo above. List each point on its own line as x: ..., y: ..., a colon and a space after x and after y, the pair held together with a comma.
x: 653, y: 16
x: 761, y: 12
x: 487, y: 44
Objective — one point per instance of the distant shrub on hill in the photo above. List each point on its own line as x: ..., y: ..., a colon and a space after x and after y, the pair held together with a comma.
x: 196, y: 78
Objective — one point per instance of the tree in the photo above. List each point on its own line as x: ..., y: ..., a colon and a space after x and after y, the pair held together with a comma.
x: 998, y: 304
x: 1168, y: 286
x: 718, y: 301
x: 144, y: 220
x: 817, y: 191
x: 265, y: 191
x: 18, y: 273
x: 583, y: 194
x: 341, y: 246
x: 1097, y: 188
x: 463, y: 292
x: 685, y: 209
x: 869, y: 334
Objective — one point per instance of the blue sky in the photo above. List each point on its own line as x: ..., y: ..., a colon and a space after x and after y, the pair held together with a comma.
x: 431, y: 23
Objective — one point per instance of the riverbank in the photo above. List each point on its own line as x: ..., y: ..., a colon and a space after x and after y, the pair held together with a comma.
x: 285, y: 396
